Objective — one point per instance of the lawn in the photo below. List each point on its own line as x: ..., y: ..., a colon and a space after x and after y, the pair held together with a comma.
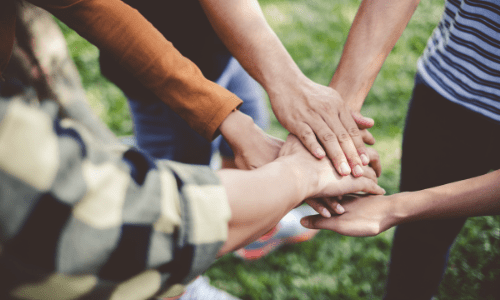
x: 332, y: 266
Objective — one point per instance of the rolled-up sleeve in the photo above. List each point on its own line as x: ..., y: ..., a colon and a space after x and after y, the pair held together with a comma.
x: 82, y: 220
x: 123, y: 32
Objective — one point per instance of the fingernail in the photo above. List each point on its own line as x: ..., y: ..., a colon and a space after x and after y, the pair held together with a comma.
x: 340, y: 209
x: 325, y: 213
x: 345, y: 169
x: 305, y: 222
x: 319, y: 153
x: 364, y: 159
x: 358, y: 171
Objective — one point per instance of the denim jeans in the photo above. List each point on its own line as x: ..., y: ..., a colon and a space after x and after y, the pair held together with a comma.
x: 443, y: 142
x: 163, y: 134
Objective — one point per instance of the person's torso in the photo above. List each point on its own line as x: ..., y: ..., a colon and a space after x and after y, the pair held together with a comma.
x: 462, y: 58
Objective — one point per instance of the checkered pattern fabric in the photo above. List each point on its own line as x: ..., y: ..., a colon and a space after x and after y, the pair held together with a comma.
x: 83, y: 220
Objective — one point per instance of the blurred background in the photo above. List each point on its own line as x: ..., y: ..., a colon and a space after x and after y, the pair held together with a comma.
x: 330, y: 266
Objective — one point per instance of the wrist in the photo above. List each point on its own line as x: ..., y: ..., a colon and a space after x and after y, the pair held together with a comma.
x: 285, y: 82
x: 304, y: 177
x: 402, y: 207
x: 235, y: 124
x: 352, y: 90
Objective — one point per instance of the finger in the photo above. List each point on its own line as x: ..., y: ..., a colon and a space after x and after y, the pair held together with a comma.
x: 334, y: 205
x: 308, y: 138
x: 339, y: 147
x: 371, y: 187
x: 362, y: 122
x: 375, y: 161
x: 370, y: 173
x: 355, y: 134
x: 332, y: 146
x: 367, y: 137
x: 361, y: 184
x: 319, y: 222
x: 319, y: 207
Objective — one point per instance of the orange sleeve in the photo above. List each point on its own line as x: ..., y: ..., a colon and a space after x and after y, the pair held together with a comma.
x: 122, y: 31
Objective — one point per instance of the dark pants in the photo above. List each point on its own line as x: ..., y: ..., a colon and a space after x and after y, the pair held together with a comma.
x: 443, y: 142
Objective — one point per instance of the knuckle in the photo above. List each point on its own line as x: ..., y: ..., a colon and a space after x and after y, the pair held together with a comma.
x: 344, y: 137
x: 306, y: 135
x: 354, y: 132
x: 328, y: 137
x: 311, y: 112
x: 327, y: 107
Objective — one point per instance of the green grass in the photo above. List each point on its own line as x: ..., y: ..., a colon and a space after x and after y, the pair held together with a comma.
x: 332, y: 266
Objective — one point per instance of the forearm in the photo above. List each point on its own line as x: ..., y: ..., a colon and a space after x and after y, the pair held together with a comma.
x: 376, y: 28
x: 66, y: 195
x: 467, y: 198
x: 242, y: 27
x: 120, y: 30
x: 258, y: 200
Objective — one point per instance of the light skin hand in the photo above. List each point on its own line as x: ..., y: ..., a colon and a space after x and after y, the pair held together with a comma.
x: 313, y: 112
x: 328, y: 206
x: 330, y: 183
x: 259, y: 198
x: 364, y: 124
x: 252, y: 147
x: 317, y: 115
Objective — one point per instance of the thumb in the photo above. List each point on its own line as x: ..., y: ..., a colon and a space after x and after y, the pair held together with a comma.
x: 361, y: 184
x: 318, y: 222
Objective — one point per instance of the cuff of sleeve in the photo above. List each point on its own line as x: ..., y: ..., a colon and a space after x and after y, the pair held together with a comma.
x: 211, y: 130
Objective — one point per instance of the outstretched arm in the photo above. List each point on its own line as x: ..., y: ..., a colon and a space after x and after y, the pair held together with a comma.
x: 376, y: 28
x: 261, y: 197
x: 208, y: 108
x: 310, y: 111
x: 119, y: 29
x: 367, y: 216
x: 129, y: 219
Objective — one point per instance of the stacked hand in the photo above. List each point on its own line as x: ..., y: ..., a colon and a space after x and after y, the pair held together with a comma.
x: 251, y: 146
x: 321, y: 178
x: 363, y: 216
x: 325, y: 125
x: 358, y: 215
x: 327, y: 206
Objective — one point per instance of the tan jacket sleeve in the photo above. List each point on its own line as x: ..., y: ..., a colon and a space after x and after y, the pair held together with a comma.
x: 121, y: 30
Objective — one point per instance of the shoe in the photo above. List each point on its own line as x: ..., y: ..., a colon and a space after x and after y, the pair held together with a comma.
x: 200, y: 289
x: 287, y: 231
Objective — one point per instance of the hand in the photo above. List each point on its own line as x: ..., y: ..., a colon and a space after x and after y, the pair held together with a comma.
x: 318, y: 176
x: 326, y: 206
x: 364, y: 216
x: 363, y: 125
x: 251, y: 146
x: 320, y: 118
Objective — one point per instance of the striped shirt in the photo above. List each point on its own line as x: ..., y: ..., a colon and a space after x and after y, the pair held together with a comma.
x: 462, y: 58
